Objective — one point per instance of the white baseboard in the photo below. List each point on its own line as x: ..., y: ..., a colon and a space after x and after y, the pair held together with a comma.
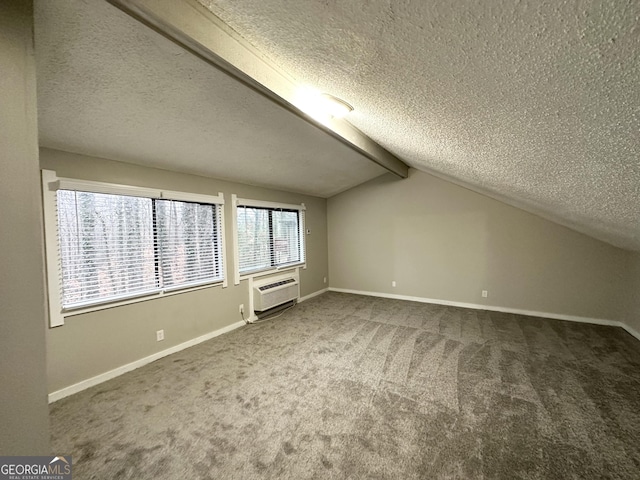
x: 630, y: 330
x: 531, y: 313
x: 103, y: 377
x: 311, y: 295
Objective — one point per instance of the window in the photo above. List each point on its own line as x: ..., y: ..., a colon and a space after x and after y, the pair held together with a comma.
x: 189, y: 243
x: 269, y: 236
x: 106, y: 246
x: 127, y: 244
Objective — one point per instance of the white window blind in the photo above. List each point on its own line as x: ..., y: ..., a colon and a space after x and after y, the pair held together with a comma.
x: 268, y: 237
x: 114, y: 247
x: 189, y: 251
x: 106, y: 247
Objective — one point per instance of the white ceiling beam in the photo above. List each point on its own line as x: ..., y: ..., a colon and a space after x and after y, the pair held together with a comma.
x: 190, y: 25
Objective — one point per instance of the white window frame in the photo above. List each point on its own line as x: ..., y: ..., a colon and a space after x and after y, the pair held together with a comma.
x: 245, y: 202
x: 51, y: 183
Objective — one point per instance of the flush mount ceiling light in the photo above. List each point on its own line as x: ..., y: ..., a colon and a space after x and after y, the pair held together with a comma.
x: 334, y: 106
x: 321, y: 106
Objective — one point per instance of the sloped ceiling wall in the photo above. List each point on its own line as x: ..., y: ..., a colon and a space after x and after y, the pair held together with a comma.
x: 108, y: 86
x: 533, y: 102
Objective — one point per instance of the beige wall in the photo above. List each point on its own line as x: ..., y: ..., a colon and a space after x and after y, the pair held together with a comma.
x: 24, y: 423
x: 94, y: 343
x: 441, y: 241
x: 632, y: 318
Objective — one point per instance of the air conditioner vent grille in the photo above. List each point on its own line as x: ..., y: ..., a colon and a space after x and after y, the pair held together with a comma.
x: 276, y: 284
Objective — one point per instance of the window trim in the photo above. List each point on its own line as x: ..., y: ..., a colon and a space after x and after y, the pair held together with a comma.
x: 51, y: 183
x: 246, y: 202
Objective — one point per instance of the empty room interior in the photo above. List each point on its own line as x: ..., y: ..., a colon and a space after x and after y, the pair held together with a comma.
x: 369, y: 239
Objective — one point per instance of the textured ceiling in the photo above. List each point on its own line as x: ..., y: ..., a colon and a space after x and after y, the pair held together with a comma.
x: 110, y: 87
x: 534, y: 102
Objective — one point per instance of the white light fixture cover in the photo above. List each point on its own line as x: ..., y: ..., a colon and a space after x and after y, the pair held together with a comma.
x: 321, y: 106
x: 336, y: 107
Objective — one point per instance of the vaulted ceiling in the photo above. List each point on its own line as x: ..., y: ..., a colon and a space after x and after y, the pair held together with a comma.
x: 534, y: 102
x: 111, y: 87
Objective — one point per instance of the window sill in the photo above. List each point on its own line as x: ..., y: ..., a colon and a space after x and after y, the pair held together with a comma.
x: 272, y: 271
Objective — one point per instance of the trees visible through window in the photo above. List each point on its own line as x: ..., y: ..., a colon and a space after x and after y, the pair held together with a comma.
x: 268, y: 238
x: 117, y: 246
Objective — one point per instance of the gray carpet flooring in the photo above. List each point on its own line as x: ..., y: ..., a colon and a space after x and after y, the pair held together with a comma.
x: 347, y: 386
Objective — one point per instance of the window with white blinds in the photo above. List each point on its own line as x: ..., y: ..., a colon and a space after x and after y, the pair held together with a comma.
x: 107, y: 247
x: 189, y: 243
x: 113, y: 247
x: 268, y: 237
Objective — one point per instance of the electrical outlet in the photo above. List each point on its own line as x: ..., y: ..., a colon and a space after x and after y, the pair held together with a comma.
x: 241, y: 308
x: 159, y: 335
x: 393, y: 283
x: 324, y: 280
x: 485, y: 294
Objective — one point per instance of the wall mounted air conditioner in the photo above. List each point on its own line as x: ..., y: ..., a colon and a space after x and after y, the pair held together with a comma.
x: 271, y: 295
